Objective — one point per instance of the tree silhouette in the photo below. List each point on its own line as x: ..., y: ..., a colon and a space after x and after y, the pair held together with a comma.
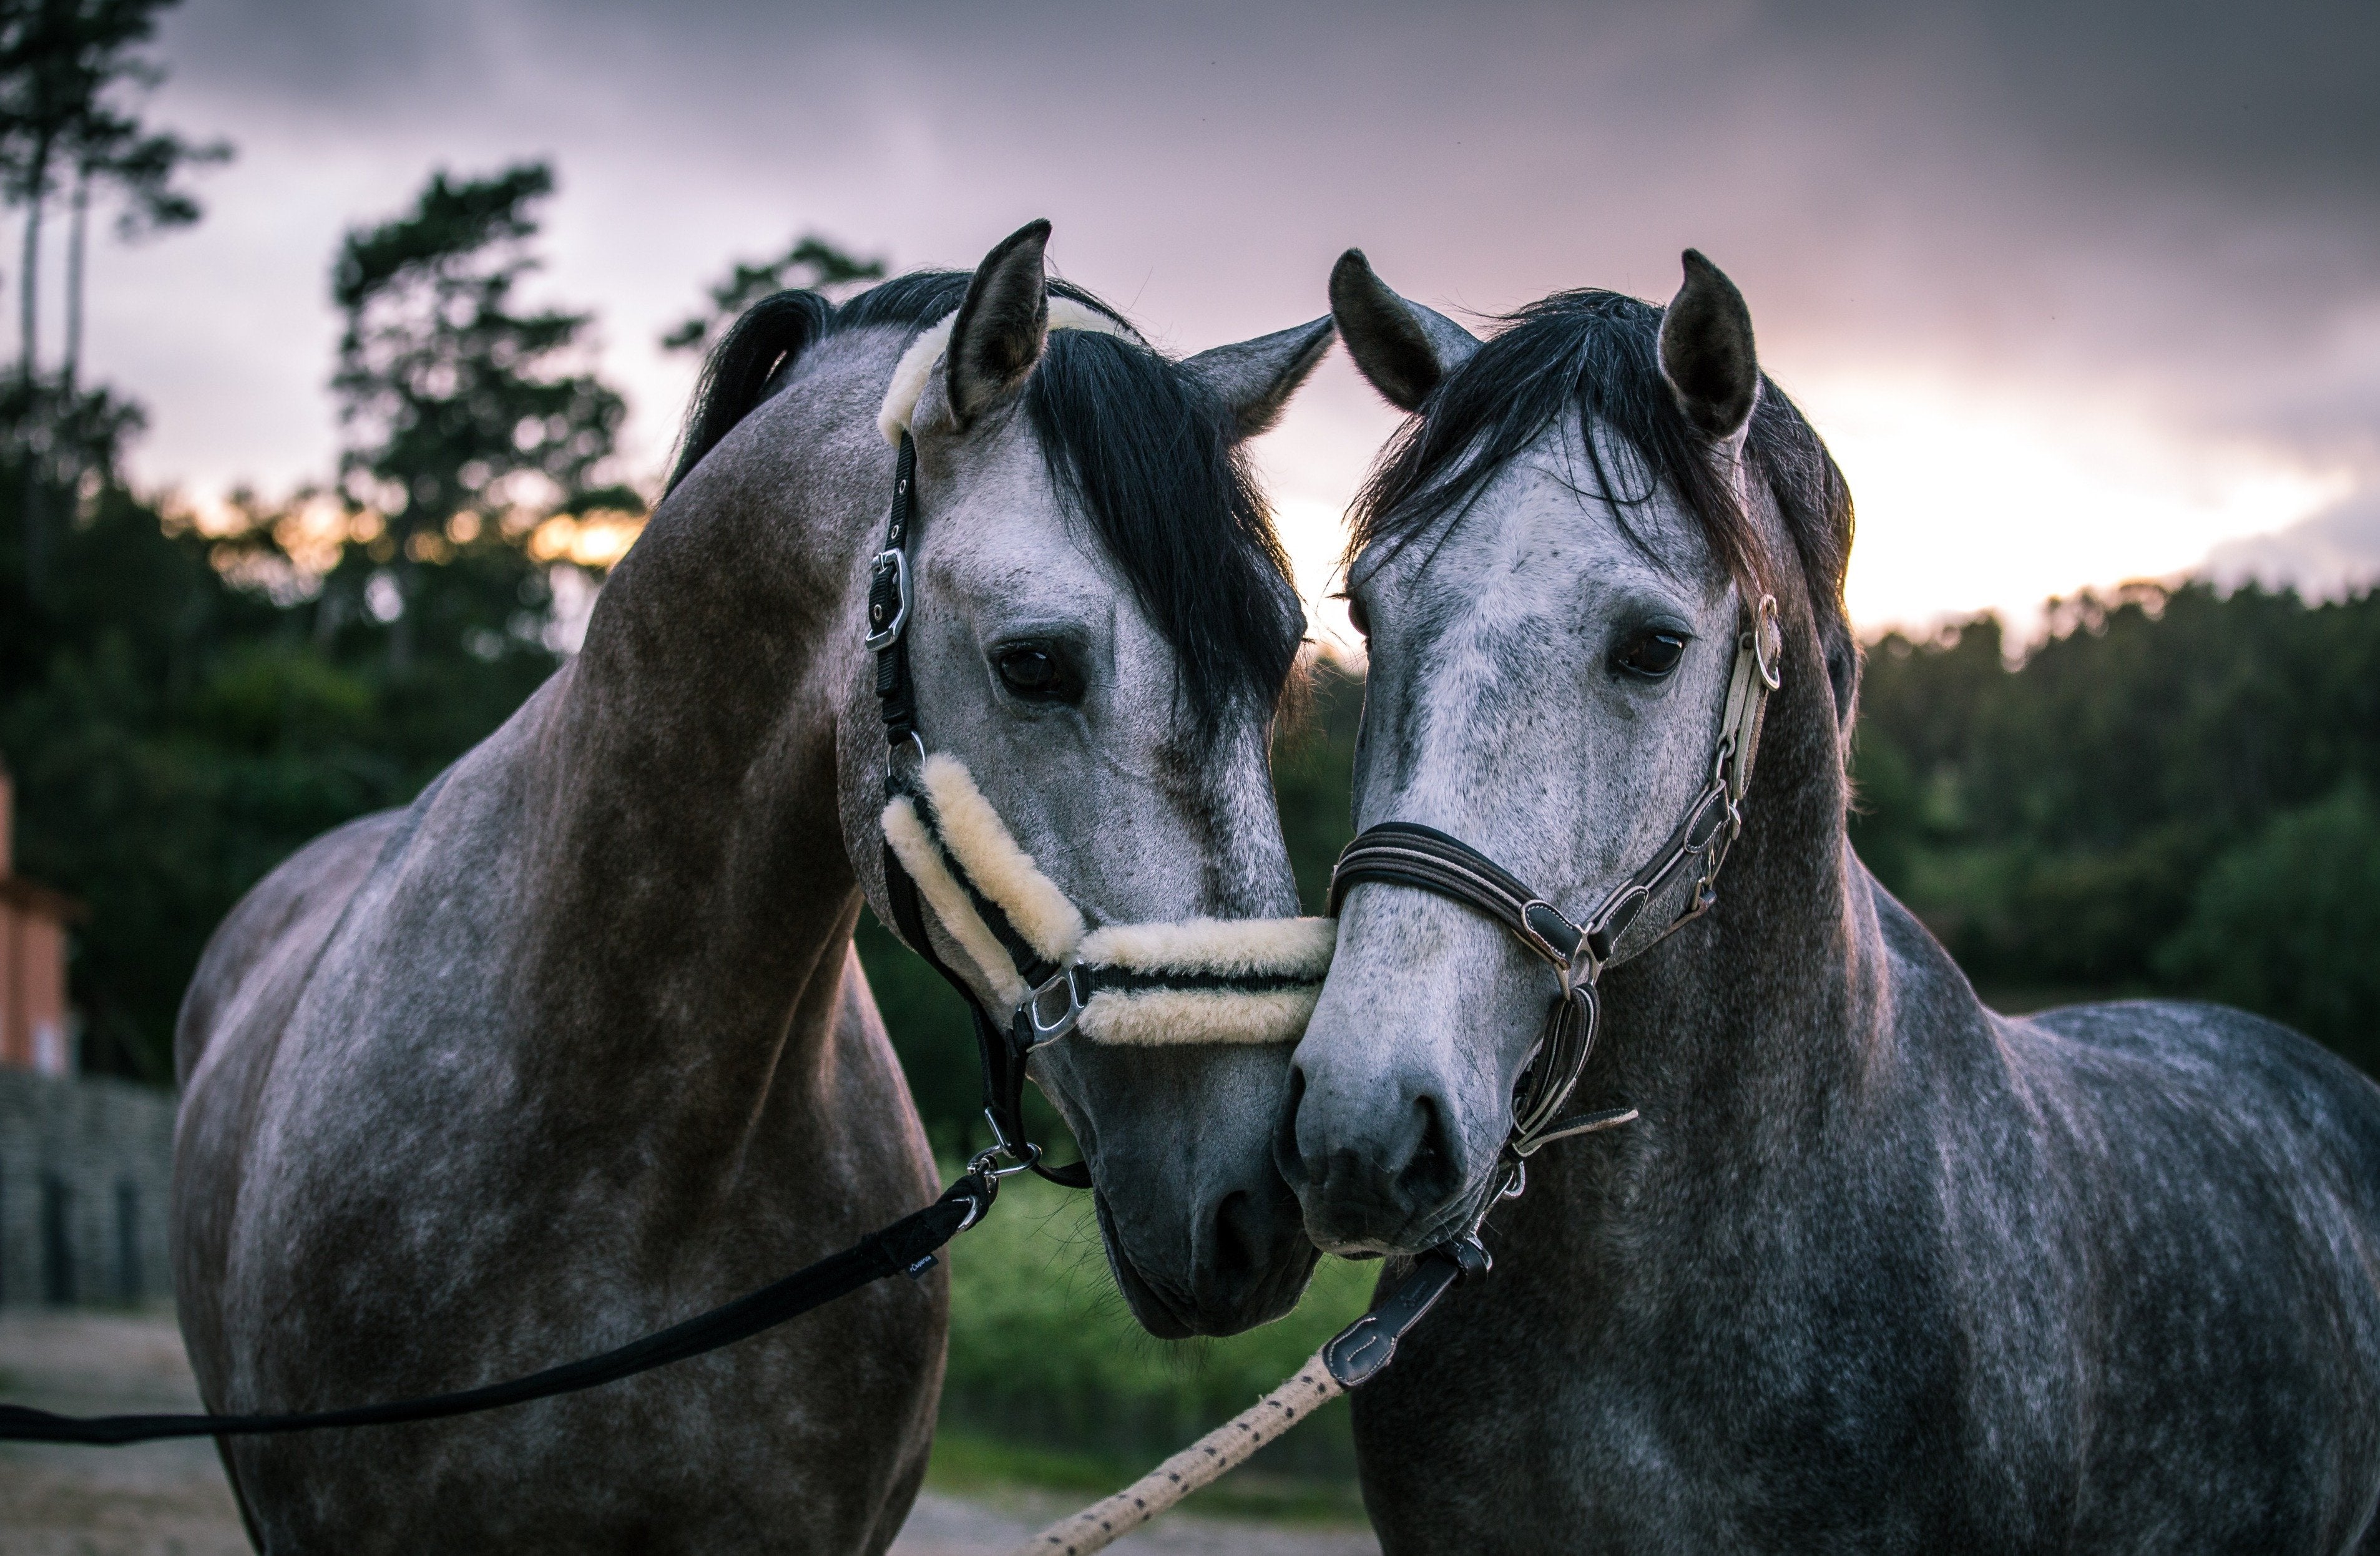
x: 65, y: 68
x: 113, y: 152
x: 464, y: 422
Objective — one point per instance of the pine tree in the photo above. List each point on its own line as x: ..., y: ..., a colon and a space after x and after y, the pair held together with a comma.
x: 66, y: 69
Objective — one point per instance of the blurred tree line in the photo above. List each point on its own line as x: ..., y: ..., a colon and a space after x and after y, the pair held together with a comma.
x: 2173, y: 793
x: 186, y: 696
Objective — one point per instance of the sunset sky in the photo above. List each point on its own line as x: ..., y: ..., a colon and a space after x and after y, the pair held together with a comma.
x: 2078, y: 293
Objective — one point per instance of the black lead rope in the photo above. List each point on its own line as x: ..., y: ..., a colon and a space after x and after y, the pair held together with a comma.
x: 906, y: 1247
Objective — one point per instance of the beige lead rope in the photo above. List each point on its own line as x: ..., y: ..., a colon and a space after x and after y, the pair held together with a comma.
x: 1200, y: 1464
x: 1353, y: 1356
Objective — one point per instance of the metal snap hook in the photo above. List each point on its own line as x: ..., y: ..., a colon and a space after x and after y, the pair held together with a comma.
x: 985, y: 1163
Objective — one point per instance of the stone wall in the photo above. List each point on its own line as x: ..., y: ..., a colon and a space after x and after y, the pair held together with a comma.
x: 86, y: 1175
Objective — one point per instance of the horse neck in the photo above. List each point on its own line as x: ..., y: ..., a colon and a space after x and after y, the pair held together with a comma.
x: 1771, y: 1009
x: 693, y: 896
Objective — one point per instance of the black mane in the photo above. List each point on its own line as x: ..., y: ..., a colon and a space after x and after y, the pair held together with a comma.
x: 1146, y: 452
x: 1596, y: 354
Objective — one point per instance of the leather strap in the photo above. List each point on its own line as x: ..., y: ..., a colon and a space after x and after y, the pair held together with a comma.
x: 906, y: 1247
x: 1408, y: 854
x: 999, y: 1051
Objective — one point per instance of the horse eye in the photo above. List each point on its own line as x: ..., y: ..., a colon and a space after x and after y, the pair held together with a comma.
x: 1358, y: 618
x: 1653, y: 655
x: 1035, y: 674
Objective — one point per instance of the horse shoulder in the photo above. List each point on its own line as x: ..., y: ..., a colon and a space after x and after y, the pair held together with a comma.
x: 271, y: 936
x: 249, y: 980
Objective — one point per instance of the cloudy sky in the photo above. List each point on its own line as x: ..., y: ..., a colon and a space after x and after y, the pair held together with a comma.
x: 2077, y: 292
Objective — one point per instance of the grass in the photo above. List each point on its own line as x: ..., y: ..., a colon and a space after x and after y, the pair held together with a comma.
x: 1052, y: 1382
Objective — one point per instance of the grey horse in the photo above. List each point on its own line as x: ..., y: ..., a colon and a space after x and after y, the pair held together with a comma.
x: 576, y: 1045
x: 1876, y: 1268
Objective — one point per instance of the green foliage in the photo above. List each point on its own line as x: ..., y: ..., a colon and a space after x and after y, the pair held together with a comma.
x: 184, y: 709
x: 812, y: 263
x: 2056, y: 822
x: 1043, y: 1348
x: 174, y: 736
x: 2288, y: 922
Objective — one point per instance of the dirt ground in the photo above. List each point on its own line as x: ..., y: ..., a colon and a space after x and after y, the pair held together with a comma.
x: 169, y: 1499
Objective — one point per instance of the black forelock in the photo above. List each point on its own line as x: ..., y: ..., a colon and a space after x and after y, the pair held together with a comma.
x: 1148, y: 455
x: 1152, y: 458
x: 1594, y: 356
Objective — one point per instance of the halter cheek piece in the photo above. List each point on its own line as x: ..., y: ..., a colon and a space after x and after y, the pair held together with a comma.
x: 1199, y: 980
x: 1678, y: 883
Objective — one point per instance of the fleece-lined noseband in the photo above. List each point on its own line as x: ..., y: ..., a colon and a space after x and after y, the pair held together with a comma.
x: 1198, y: 980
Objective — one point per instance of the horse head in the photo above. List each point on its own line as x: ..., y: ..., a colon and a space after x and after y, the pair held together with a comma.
x: 1094, y: 621
x: 1555, y: 565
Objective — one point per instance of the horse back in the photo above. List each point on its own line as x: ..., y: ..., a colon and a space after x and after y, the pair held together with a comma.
x: 2219, y: 1268
x: 2287, y: 1097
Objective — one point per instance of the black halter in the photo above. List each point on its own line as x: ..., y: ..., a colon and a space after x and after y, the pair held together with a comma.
x: 1684, y: 872
x: 1678, y: 883
x: 1002, y: 1050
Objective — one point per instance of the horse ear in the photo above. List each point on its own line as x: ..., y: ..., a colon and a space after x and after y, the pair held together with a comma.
x: 1402, y: 346
x: 1256, y: 378
x: 1707, y: 353
x: 996, y: 339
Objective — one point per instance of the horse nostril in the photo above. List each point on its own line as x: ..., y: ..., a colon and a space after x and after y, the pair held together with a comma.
x: 1431, y: 1174
x: 1286, y: 1157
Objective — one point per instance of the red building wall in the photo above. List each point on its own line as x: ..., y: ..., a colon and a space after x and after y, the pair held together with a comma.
x: 33, y: 1027
x: 32, y: 984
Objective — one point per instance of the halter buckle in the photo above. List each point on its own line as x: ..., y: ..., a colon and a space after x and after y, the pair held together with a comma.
x: 1067, y: 984
x: 888, y: 609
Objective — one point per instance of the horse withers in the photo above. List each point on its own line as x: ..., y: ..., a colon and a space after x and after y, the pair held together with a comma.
x: 577, y: 1045
x: 1874, y: 1268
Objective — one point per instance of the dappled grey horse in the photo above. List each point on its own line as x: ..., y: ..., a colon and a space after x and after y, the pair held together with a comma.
x: 1874, y: 1268
x: 577, y: 1045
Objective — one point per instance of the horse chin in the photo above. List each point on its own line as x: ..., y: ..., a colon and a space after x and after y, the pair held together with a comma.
x: 1157, y: 1312
x: 1361, y: 1228
x: 1171, y: 1312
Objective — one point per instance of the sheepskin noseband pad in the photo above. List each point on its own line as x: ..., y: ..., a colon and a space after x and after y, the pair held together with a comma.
x: 1201, y: 981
